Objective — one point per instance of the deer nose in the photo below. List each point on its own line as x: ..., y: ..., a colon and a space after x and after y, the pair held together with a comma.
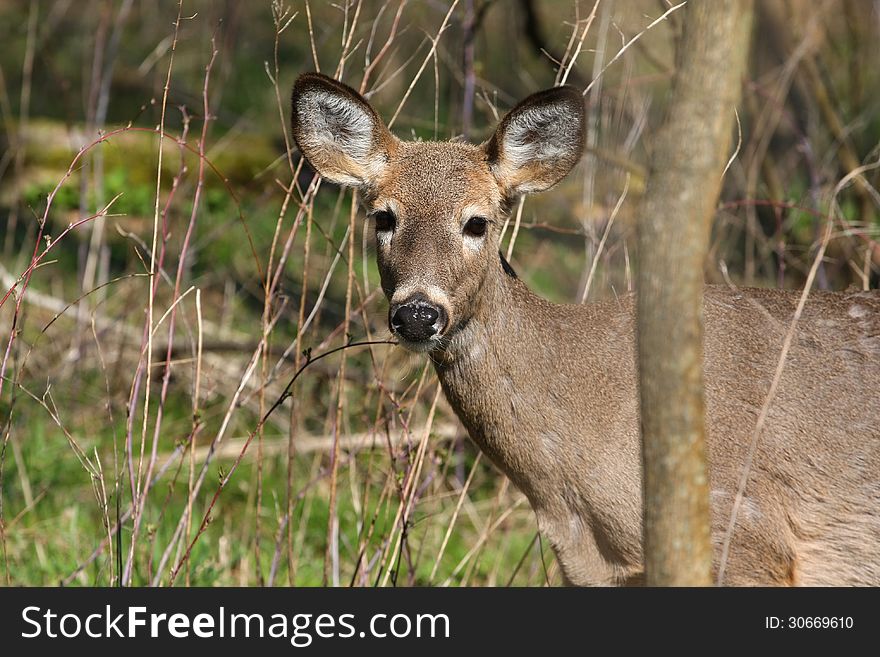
x: 417, y: 319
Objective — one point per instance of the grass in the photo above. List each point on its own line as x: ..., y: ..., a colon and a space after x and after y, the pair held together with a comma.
x: 54, y: 533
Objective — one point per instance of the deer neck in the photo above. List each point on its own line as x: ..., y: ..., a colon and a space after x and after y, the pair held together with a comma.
x: 491, y: 374
x: 548, y: 393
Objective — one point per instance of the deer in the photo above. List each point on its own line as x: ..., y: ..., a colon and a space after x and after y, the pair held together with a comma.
x: 549, y: 392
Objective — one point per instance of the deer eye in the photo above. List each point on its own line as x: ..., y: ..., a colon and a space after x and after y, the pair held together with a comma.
x: 476, y: 226
x: 385, y: 220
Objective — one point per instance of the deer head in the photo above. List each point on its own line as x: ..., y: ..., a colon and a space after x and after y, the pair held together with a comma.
x: 437, y: 207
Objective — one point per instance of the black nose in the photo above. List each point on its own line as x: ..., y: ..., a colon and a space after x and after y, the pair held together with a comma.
x: 417, y: 320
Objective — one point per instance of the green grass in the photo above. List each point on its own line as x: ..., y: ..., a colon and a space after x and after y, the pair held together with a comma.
x: 45, y: 542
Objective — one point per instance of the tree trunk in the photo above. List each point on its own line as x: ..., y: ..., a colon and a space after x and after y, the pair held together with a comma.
x: 692, y: 148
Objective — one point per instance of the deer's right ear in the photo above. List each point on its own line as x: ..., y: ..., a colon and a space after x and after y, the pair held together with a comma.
x: 338, y: 132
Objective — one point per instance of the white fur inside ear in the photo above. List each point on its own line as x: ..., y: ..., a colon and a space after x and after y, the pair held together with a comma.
x: 341, y: 137
x: 541, y: 133
x: 337, y: 122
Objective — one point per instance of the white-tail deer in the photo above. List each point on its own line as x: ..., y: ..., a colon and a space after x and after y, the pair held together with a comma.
x: 549, y: 392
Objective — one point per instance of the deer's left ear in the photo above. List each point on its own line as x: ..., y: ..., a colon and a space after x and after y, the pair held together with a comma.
x: 538, y: 142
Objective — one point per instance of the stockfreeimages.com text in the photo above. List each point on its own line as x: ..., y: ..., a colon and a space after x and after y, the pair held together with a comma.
x: 299, y: 629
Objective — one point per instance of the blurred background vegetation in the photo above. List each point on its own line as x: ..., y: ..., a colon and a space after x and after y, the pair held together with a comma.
x: 130, y: 405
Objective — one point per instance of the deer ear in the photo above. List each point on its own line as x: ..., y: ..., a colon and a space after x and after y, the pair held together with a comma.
x: 539, y: 141
x: 338, y: 132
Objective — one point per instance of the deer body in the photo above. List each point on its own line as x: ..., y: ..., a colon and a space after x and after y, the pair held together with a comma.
x: 549, y: 392
x: 561, y: 420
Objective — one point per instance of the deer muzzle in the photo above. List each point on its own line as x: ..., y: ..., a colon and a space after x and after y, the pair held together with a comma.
x: 416, y: 320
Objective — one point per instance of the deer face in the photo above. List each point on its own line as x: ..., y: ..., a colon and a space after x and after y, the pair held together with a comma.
x: 437, y: 217
x: 437, y: 207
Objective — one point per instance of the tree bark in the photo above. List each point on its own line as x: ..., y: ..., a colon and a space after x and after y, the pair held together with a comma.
x: 692, y: 148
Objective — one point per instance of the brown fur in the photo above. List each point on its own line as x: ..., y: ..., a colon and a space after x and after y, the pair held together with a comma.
x: 549, y: 392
